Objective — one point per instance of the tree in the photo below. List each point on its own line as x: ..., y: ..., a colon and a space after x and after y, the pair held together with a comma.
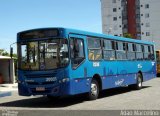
x: 127, y: 35
x: 3, y: 52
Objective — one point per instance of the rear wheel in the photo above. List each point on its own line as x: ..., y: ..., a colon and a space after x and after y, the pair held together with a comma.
x: 138, y: 85
x: 94, y: 90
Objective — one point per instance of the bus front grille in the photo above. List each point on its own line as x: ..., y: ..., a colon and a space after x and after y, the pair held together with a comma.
x: 40, y: 75
x: 40, y: 83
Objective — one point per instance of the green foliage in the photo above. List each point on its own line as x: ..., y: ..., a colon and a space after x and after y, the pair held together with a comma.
x: 14, y: 55
x: 127, y: 35
x: 5, y: 53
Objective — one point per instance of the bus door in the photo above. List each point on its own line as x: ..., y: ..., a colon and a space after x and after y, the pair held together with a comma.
x: 78, y: 74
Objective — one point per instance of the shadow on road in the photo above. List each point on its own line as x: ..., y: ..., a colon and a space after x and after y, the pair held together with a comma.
x: 44, y: 102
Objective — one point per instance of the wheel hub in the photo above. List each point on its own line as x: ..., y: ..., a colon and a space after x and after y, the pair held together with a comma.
x: 93, y: 89
x: 139, y: 82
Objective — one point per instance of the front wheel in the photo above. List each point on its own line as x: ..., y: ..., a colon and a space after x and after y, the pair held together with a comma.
x: 94, y: 90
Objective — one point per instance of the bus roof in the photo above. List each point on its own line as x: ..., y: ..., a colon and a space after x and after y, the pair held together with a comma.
x: 93, y: 34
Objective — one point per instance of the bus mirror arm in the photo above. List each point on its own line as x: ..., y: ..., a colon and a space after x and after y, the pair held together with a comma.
x: 11, y: 52
x: 11, y: 49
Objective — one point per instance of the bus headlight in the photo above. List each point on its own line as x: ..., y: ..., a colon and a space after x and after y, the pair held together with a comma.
x: 65, y: 80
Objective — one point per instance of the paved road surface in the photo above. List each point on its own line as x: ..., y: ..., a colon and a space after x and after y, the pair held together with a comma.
x: 147, y: 98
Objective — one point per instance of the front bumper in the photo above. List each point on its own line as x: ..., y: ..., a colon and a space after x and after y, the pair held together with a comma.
x: 70, y: 87
x: 54, y: 90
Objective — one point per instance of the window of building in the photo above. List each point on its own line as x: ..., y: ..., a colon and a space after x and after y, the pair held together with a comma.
x: 95, y: 51
x: 137, y: 7
x: 147, y: 24
x: 137, y: 15
x: 147, y: 6
x: 114, y: 9
x: 113, y: 1
x: 77, y: 51
x: 138, y: 25
x: 147, y: 33
x: 147, y: 15
x: 125, y: 26
x: 114, y: 18
x: 109, y: 50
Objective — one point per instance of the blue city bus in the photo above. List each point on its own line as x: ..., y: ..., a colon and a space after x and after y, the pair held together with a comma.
x: 58, y: 62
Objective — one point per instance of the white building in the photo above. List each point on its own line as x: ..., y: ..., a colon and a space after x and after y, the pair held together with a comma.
x: 140, y: 18
x: 7, y: 69
x: 111, y: 17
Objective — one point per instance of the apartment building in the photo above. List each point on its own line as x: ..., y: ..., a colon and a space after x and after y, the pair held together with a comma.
x: 140, y: 18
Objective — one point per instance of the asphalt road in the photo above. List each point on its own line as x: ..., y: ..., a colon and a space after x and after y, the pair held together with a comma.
x: 148, y: 98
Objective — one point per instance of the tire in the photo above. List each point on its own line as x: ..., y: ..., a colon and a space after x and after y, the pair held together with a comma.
x: 139, y: 84
x: 94, y: 90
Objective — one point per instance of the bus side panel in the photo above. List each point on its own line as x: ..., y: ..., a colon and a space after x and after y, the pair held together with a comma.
x: 79, y: 85
x: 126, y: 73
x: 118, y: 81
x: 148, y: 70
x: 118, y: 73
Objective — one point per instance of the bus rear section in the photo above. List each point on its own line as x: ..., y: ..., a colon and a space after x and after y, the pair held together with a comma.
x: 158, y: 62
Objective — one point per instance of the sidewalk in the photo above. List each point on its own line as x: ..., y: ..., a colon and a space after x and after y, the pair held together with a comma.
x: 7, y: 89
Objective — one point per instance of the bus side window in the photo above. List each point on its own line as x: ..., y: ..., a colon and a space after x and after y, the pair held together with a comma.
x: 121, y: 51
x: 94, y: 48
x: 139, y: 52
x: 109, y: 50
x: 146, y: 52
x: 130, y: 51
x: 77, y: 51
x: 151, y: 53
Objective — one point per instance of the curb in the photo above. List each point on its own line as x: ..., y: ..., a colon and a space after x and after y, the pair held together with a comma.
x: 4, y: 94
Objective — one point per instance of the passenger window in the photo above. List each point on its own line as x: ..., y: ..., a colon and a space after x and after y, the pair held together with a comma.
x: 94, y: 43
x: 95, y: 51
x: 131, y: 55
x: 152, y: 57
x: 109, y: 50
x: 139, y: 52
x: 77, y: 51
x: 146, y: 52
x: 121, y: 51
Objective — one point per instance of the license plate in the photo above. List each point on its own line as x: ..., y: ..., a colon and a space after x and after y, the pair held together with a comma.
x: 40, y: 89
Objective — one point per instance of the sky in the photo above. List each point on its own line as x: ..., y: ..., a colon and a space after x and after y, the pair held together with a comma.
x: 20, y: 15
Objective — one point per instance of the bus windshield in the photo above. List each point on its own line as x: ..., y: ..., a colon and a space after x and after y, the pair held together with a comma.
x: 43, y: 55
